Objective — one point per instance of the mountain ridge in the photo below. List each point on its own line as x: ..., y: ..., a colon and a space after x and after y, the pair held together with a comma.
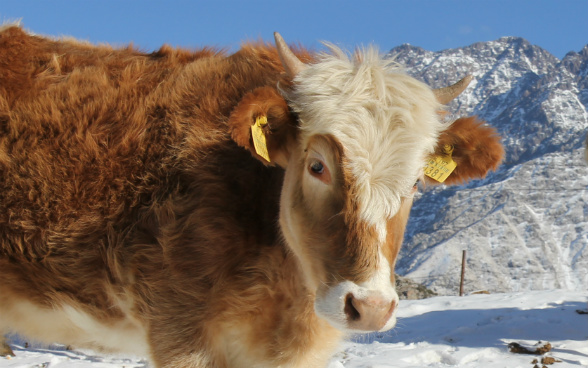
x: 525, y: 227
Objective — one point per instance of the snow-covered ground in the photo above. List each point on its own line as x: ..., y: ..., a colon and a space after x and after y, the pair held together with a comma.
x: 447, y: 331
x: 475, y: 330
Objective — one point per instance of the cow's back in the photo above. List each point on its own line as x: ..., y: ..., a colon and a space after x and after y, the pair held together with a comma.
x: 99, y: 150
x: 78, y: 161
x: 31, y: 64
x: 76, y: 145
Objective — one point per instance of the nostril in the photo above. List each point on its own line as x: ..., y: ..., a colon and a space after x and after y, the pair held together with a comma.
x: 350, y: 311
x: 372, y: 312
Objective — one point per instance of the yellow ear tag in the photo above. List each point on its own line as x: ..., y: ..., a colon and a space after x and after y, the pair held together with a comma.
x: 441, y: 166
x: 259, y: 138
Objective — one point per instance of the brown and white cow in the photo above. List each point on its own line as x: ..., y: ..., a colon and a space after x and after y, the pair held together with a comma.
x: 137, y: 216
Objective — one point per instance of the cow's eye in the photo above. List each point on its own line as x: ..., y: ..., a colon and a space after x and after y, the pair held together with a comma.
x: 317, y: 168
x: 320, y: 171
x: 416, y: 183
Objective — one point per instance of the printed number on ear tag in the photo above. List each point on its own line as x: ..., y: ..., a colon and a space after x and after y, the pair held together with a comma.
x: 441, y: 166
x: 259, y: 138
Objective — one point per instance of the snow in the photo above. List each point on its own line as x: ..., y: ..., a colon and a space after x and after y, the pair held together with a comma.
x: 447, y: 331
x: 474, y: 331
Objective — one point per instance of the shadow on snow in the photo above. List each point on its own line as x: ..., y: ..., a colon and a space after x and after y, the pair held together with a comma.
x: 487, y: 328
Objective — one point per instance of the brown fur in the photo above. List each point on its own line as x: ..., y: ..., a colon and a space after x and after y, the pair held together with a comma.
x: 264, y: 101
x: 476, y: 149
x: 111, y: 162
x: 126, y: 195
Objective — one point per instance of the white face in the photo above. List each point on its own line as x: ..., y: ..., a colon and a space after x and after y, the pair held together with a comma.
x: 365, y: 129
x: 346, y: 264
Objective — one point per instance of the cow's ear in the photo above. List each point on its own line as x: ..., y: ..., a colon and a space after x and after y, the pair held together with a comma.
x: 274, y: 127
x: 473, y: 146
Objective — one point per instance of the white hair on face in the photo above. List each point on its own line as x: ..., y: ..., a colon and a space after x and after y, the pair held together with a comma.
x: 385, y: 120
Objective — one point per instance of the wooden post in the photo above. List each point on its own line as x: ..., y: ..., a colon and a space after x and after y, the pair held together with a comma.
x: 463, y: 260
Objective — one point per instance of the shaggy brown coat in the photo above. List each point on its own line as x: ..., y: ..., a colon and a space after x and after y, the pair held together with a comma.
x: 125, y: 193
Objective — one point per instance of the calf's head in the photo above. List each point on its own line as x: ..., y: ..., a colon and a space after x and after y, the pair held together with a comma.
x: 354, y: 134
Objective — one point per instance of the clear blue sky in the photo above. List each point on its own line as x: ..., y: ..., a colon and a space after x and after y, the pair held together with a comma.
x: 559, y: 26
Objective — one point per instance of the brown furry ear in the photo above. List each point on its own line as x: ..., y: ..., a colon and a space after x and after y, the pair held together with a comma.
x: 279, y: 131
x: 476, y: 150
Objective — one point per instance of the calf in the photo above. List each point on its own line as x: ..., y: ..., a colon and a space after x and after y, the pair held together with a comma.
x: 212, y: 210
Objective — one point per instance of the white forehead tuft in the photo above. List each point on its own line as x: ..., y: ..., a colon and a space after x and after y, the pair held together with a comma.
x: 386, y: 121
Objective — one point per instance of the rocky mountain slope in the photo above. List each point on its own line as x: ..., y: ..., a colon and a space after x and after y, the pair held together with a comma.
x: 524, y: 227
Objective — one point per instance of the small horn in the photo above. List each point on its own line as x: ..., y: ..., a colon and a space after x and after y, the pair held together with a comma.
x: 291, y: 63
x: 446, y: 94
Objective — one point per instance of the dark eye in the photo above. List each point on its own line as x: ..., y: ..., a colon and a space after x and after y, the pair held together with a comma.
x: 317, y: 167
x: 416, y: 183
x: 320, y: 171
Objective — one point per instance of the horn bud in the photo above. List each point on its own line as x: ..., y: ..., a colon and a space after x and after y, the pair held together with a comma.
x: 447, y: 94
x: 291, y: 63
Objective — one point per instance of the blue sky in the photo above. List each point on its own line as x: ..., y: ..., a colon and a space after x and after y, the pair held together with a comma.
x: 559, y: 26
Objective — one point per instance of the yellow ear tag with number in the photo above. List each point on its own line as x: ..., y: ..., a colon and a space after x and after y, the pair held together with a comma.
x: 441, y: 166
x: 259, y: 138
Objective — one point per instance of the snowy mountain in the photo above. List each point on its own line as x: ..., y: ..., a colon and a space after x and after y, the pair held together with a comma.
x: 524, y: 227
